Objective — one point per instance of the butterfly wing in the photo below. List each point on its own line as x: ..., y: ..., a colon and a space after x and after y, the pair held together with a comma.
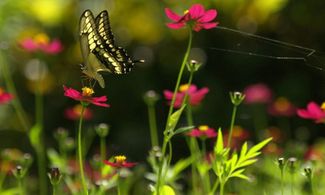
x: 91, y: 45
x: 119, y: 61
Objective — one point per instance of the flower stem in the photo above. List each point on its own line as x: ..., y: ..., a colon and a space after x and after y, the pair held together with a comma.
x: 166, y: 139
x: 80, y: 156
x: 282, y: 182
x: 119, y: 184
x: 214, y: 188
x: 40, y: 150
x: 153, y: 125
x: 54, y: 189
x: 292, y: 184
x: 222, y: 186
x: 22, y: 116
x: 233, y: 116
x: 20, y: 185
x: 102, y: 152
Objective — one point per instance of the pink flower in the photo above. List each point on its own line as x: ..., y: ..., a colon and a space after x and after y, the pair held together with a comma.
x: 85, y: 96
x: 282, y: 107
x: 5, y: 97
x: 41, y: 43
x: 75, y: 112
x: 203, y: 131
x: 195, y: 95
x: 196, y: 17
x: 120, y: 162
x: 257, y: 93
x: 313, y: 112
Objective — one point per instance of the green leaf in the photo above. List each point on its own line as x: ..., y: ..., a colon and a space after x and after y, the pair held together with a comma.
x: 183, y: 129
x: 11, y: 191
x: 179, y: 167
x: 258, y: 147
x: 241, y: 176
x: 166, y: 190
x: 219, y: 145
x: 34, y: 136
x: 246, y: 163
x: 173, y: 119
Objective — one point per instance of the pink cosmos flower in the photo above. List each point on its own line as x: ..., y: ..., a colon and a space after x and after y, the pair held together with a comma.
x: 5, y: 97
x: 313, y: 112
x: 257, y: 93
x: 85, y: 96
x: 74, y: 113
x: 41, y: 43
x: 195, y: 95
x: 203, y: 131
x: 282, y: 107
x: 196, y: 17
x: 120, y: 162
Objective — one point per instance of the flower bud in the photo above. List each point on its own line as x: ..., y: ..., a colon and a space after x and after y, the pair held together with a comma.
x: 151, y: 97
x: 292, y: 164
x: 281, y: 163
x: 193, y: 66
x: 55, y: 176
x: 237, y: 97
x: 102, y: 130
x: 18, y: 172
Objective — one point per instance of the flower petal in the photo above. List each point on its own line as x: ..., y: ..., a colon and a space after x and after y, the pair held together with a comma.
x: 196, y: 11
x: 172, y: 15
x: 72, y: 93
x: 111, y: 164
x: 209, y: 25
x: 176, y: 25
x: 128, y: 164
x: 208, y: 16
x: 53, y: 48
x: 99, y: 101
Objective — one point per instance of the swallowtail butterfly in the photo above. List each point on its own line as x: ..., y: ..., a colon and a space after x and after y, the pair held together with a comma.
x: 100, y: 54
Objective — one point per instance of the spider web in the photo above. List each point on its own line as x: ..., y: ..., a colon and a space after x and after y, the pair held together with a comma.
x: 243, y: 43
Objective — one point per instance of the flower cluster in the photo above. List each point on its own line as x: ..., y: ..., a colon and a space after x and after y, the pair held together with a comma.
x: 42, y: 43
x: 203, y: 131
x: 5, y: 97
x: 196, y: 17
x: 195, y: 95
x: 85, y: 97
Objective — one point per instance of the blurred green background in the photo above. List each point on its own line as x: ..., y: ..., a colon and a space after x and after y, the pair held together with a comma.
x: 139, y: 26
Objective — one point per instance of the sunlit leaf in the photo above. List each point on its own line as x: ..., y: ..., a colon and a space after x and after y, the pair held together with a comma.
x: 173, y: 119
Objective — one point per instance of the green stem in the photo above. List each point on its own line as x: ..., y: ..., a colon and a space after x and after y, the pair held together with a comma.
x: 80, y: 156
x: 214, y: 188
x: 20, y: 185
x: 222, y: 186
x: 153, y: 125
x: 54, y: 189
x: 233, y: 116
x: 21, y: 114
x: 102, y: 152
x: 171, y: 107
x: 41, y: 157
x: 118, y: 184
x: 292, y: 184
x: 282, y: 182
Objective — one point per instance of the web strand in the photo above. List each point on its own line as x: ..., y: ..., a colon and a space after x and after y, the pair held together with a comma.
x: 308, y: 56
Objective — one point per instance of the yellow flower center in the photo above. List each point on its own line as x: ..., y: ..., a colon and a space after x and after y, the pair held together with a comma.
x: 282, y: 104
x: 184, y: 87
x: 77, y: 109
x: 203, y: 127
x: 41, y: 38
x: 120, y: 159
x: 322, y: 106
x: 87, y: 92
x: 186, y: 11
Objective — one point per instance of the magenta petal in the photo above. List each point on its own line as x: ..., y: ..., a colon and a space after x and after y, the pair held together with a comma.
x: 72, y: 93
x: 315, y: 110
x: 208, y: 16
x: 304, y: 114
x: 111, y: 164
x: 172, y: 15
x: 129, y: 164
x: 209, y: 25
x: 168, y: 94
x: 196, y: 11
x: 54, y: 47
x: 176, y: 25
x: 99, y: 101
x: 29, y: 45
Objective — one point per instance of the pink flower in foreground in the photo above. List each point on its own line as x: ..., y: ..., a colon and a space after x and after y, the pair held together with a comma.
x: 195, y: 95
x: 41, y: 43
x: 313, y: 112
x: 203, y: 131
x: 120, y: 162
x: 5, y: 97
x: 282, y: 107
x: 257, y: 93
x: 85, y: 96
x: 196, y: 17
x: 74, y: 113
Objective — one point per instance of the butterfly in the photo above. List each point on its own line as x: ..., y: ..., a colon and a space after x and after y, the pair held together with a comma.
x: 99, y: 52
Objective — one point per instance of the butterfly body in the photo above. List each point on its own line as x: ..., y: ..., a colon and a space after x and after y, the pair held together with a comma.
x: 98, y: 48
